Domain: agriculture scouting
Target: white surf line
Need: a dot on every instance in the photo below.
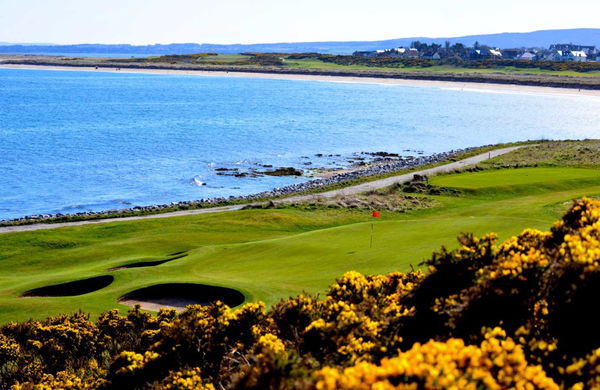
(458, 85)
(357, 189)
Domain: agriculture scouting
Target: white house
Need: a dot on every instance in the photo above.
(577, 55)
(495, 53)
(567, 55)
(398, 52)
(527, 56)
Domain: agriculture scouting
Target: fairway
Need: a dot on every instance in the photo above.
(516, 177)
(275, 253)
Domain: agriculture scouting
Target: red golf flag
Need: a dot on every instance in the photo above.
(376, 214)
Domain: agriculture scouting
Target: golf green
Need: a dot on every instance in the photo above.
(274, 253)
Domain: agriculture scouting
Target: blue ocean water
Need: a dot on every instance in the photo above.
(3, 50)
(74, 141)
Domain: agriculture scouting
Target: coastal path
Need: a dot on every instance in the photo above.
(351, 190)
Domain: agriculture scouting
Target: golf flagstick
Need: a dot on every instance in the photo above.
(376, 214)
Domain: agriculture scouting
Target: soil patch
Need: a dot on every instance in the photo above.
(69, 289)
(179, 295)
(146, 263)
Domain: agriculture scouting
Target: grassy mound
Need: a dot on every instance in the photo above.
(585, 153)
(388, 199)
(142, 264)
(78, 287)
(519, 314)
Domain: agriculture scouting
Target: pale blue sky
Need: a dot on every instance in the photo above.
(252, 21)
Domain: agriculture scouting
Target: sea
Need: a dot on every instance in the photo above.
(73, 141)
(81, 54)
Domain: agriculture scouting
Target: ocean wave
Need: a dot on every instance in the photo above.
(197, 181)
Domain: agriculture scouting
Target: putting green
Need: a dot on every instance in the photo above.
(516, 177)
(272, 254)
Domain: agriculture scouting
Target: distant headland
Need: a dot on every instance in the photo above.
(574, 76)
(541, 38)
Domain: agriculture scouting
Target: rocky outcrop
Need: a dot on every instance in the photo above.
(377, 168)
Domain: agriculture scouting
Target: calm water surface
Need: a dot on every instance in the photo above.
(72, 141)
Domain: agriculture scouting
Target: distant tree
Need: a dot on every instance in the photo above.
(417, 45)
(458, 49)
(423, 47)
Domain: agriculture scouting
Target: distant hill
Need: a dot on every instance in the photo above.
(26, 44)
(542, 38)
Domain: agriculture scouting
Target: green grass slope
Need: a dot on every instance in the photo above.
(272, 254)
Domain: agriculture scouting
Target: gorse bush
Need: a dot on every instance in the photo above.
(278, 60)
(395, 62)
(518, 314)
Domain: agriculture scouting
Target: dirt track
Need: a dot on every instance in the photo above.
(357, 189)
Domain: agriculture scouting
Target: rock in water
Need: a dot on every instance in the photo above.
(284, 171)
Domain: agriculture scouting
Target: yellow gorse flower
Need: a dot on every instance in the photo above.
(496, 363)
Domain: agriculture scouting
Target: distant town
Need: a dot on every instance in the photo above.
(556, 52)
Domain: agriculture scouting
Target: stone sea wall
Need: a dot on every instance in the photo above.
(383, 166)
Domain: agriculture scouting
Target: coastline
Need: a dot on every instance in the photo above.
(333, 178)
(451, 165)
(325, 179)
(467, 86)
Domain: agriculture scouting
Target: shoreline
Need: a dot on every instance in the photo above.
(332, 178)
(401, 177)
(499, 86)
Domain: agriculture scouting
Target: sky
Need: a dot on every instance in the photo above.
(265, 21)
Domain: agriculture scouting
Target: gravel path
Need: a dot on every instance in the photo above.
(357, 189)
(377, 184)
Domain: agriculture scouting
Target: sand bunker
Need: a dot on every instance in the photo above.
(147, 263)
(78, 287)
(179, 295)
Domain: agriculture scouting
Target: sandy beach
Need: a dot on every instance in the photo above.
(451, 85)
